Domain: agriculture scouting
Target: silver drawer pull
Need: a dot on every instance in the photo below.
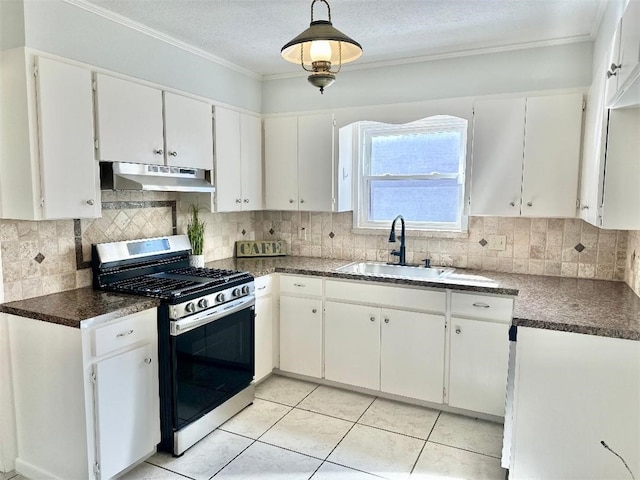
(458, 331)
(373, 319)
(386, 320)
(261, 288)
(299, 285)
(481, 305)
(147, 361)
(315, 310)
(124, 334)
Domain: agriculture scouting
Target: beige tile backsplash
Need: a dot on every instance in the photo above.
(533, 246)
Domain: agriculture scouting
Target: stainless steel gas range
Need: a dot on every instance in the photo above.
(205, 332)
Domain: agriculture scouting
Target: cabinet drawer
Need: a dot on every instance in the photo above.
(402, 297)
(135, 328)
(482, 306)
(303, 285)
(263, 285)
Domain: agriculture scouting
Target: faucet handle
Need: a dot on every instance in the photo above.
(427, 262)
(395, 253)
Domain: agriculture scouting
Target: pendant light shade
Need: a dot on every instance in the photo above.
(320, 47)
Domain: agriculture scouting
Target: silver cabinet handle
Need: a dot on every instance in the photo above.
(585, 207)
(302, 200)
(246, 200)
(124, 334)
(261, 288)
(159, 151)
(481, 305)
(173, 154)
(147, 361)
(315, 310)
(529, 204)
(612, 70)
(513, 204)
(238, 200)
(291, 200)
(386, 320)
(90, 202)
(373, 319)
(458, 330)
(299, 285)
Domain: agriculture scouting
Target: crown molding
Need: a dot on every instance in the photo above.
(444, 56)
(127, 22)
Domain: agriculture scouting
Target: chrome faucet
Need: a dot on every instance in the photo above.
(402, 253)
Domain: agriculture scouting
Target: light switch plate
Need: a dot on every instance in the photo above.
(497, 242)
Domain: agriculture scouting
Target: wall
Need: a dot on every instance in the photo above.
(45, 257)
(11, 24)
(632, 272)
(60, 28)
(545, 68)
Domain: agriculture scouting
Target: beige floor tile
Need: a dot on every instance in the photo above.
(337, 403)
(371, 450)
(440, 461)
(472, 434)
(331, 471)
(400, 418)
(307, 432)
(11, 476)
(256, 419)
(146, 471)
(266, 462)
(206, 457)
(287, 391)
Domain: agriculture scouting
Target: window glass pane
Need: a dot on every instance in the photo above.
(415, 154)
(415, 200)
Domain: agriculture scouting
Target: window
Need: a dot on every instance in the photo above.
(415, 170)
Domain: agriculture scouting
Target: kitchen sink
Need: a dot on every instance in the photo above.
(396, 271)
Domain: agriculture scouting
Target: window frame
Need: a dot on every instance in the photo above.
(440, 123)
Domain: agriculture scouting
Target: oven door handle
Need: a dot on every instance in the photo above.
(178, 327)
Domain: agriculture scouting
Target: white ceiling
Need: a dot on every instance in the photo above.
(250, 33)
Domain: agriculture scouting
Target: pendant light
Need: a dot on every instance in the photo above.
(320, 47)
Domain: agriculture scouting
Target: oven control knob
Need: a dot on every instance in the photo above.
(190, 307)
(203, 303)
(245, 290)
(235, 292)
(220, 298)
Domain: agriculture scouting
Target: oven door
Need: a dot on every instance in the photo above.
(212, 358)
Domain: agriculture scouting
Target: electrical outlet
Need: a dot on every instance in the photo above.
(302, 233)
(497, 242)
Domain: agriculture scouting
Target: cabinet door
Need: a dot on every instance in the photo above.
(264, 337)
(412, 354)
(281, 163)
(629, 42)
(127, 409)
(496, 173)
(352, 344)
(315, 162)
(552, 156)
(128, 121)
(188, 132)
(301, 336)
(227, 148)
(478, 362)
(621, 196)
(251, 162)
(69, 171)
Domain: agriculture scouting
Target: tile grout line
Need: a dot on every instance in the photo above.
(424, 444)
(165, 469)
(227, 464)
(466, 450)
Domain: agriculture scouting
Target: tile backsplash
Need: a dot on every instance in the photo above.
(51, 256)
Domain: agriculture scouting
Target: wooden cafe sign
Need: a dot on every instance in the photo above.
(260, 248)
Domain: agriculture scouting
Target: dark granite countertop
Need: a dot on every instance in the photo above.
(592, 307)
(79, 308)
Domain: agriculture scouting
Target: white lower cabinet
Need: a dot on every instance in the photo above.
(264, 328)
(87, 402)
(301, 335)
(478, 360)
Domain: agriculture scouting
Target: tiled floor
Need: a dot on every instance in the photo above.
(299, 430)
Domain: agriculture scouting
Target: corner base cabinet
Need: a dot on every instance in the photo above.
(86, 398)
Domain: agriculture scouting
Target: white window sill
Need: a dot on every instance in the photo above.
(412, 232)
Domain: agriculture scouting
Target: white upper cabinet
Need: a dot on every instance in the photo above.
(526, 155)
(238, 161)
(128, 121)
(300, 163)
(623, 84)
(47, 153)
(188, 130)
(140, 124)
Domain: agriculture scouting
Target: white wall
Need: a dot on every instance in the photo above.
(60, 28)
(11, 24)
(608, 25)
(534, 69)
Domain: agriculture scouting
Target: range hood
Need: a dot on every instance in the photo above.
(135, 176)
